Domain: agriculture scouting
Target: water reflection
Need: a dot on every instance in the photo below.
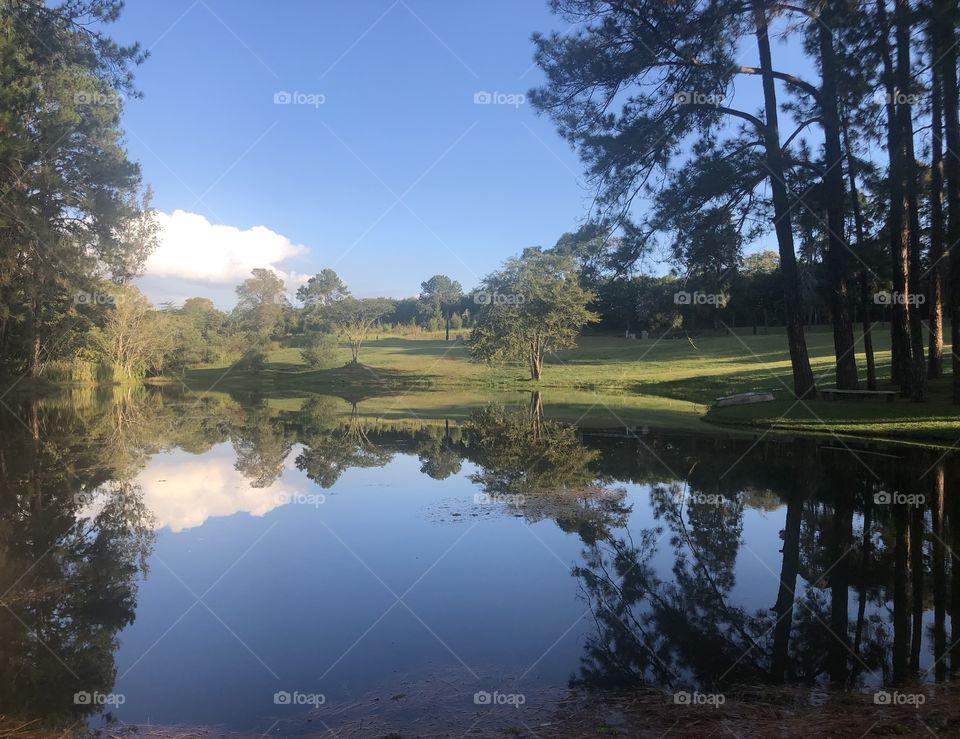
(331, 448)
(855, 573)
(68, 576)
(861, 591)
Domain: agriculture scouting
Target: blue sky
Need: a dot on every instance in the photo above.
(396, 176)
(381, 165)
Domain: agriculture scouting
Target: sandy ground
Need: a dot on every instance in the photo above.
(441, 710)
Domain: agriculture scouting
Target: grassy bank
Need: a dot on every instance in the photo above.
(607, 380)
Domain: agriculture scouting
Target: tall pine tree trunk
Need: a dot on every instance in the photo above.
(898, 226)
(918, 369)
(864, 276)
(935, 293)
(947, 13)
(803, 382)
(36, 311)
(838, 254)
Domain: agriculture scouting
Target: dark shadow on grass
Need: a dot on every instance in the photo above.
(353, 382)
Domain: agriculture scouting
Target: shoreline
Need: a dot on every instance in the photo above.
(446, 712)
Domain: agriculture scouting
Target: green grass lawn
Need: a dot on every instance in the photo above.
(641, 382)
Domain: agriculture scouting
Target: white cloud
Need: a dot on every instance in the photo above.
(182, 490)
(192, 248)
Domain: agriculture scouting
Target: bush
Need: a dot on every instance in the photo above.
(321, 351)
(255, 358)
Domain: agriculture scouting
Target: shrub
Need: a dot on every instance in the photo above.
(321, 351)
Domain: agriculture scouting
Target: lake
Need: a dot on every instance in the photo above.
(276, 566)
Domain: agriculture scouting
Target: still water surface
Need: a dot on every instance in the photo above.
(204, 560)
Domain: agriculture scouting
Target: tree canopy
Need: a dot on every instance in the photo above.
(534, 305)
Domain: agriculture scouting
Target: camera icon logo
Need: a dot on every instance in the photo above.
(82, 698)
(482, 698)
(881, 498)
(682, 698)
(282, 698)
(282, 97)
(482, 98)
(682, 298)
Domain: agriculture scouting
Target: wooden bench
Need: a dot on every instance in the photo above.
(833, 394)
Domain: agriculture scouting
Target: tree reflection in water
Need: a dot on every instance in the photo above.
(863, 591)
(331, 448)
(74, 541)
(841, 541)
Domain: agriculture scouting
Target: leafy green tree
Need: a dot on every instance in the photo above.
(321, 351)
(72, 210)
(757, 287)
(201, 333)
(354, 318)
(205, 316)
(593, 249)
(442, 294)
(535, 304)
(260, 302)
(135, 339)
(655, 307)
(323, 289)
(405, 312)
